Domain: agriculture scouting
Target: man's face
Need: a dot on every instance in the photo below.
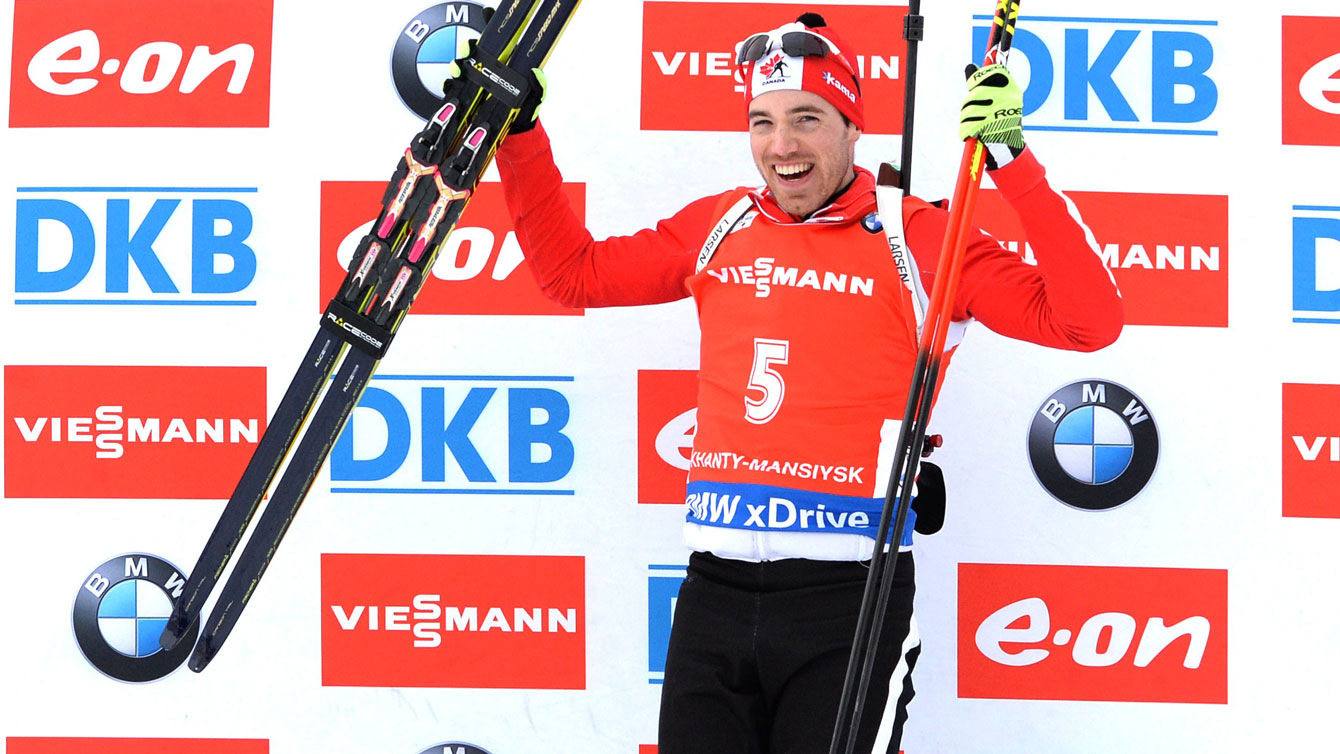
(802, 147)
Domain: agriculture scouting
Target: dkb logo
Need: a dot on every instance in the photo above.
(457, 435)
(187, 246)
(1146, 76)
(1316, 264)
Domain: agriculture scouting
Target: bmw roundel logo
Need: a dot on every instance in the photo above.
(427, 45)
(1093, 444)
(120, 612)
(453, 748)
(872, 223)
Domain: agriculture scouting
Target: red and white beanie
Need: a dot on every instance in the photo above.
(832, 76)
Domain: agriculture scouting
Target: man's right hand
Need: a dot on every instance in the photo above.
(529, 113)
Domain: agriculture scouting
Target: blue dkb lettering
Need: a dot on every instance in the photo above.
(1307, 232)
(523, 436)
(345, 468)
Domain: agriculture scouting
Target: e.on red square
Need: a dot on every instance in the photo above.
(1311, 447)
(480, 269)
(667, 418)
(1310, 107)
(1093, 633)
(202, 64)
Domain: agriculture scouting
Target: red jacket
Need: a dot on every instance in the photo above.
(808, 337)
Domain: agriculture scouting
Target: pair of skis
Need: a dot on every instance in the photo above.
(429, 190)
(921, 394)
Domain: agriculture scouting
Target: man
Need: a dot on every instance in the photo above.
(808, 340)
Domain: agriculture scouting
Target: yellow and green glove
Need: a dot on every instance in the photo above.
(993, 114)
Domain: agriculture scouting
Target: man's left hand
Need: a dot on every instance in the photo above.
(993, 113)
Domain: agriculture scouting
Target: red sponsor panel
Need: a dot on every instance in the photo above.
(1091, 633)
(685, 60)
(667, 419)
(1168, 252)
(453, 621)
(1311, 451)
(137, 745)
(141, 63)
(479, 270)
(1311, 85)
(130, 431)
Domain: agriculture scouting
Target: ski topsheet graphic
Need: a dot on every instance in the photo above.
(426, 195)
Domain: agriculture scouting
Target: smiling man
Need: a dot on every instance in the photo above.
(808, 337)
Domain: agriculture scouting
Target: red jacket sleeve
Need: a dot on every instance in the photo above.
(571, 267)
(1069, 300)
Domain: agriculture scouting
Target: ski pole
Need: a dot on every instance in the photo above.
(921, 395)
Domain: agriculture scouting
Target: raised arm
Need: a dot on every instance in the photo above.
(572, 268)
(1068, 300)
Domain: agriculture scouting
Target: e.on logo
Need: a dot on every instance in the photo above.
(1311, 85)
(453, 621)
(667, 418)
(130, 431)
(1090, 633)
(686, 60)
(1311, 451)
(141, 63)
(480, 268)
(1167, 252)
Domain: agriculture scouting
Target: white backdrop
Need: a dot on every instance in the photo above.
(1214, 502)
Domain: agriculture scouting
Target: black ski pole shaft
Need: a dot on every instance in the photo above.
(865, 640)
(914, 25)
(921, 396)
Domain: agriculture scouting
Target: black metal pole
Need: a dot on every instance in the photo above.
(921, 396)
(914, 30)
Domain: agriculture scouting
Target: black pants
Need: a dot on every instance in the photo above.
(758, 653)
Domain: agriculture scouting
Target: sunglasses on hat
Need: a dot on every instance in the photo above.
(798, 43)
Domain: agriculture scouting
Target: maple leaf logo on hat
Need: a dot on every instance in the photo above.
(775, 66)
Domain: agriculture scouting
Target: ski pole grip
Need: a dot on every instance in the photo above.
(1002, 32)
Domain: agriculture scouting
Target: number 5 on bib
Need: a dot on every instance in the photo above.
(766, 380)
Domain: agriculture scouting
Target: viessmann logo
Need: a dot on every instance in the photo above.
(1311, 438)
(453, 621)
(479, 270)
(80, 63)
(685, 60)
(1167, 252)
(1093, 633)
(130, 432)
(667, 418)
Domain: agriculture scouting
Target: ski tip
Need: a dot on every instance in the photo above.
(173, 632)
(201, 655)
(889, 175)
